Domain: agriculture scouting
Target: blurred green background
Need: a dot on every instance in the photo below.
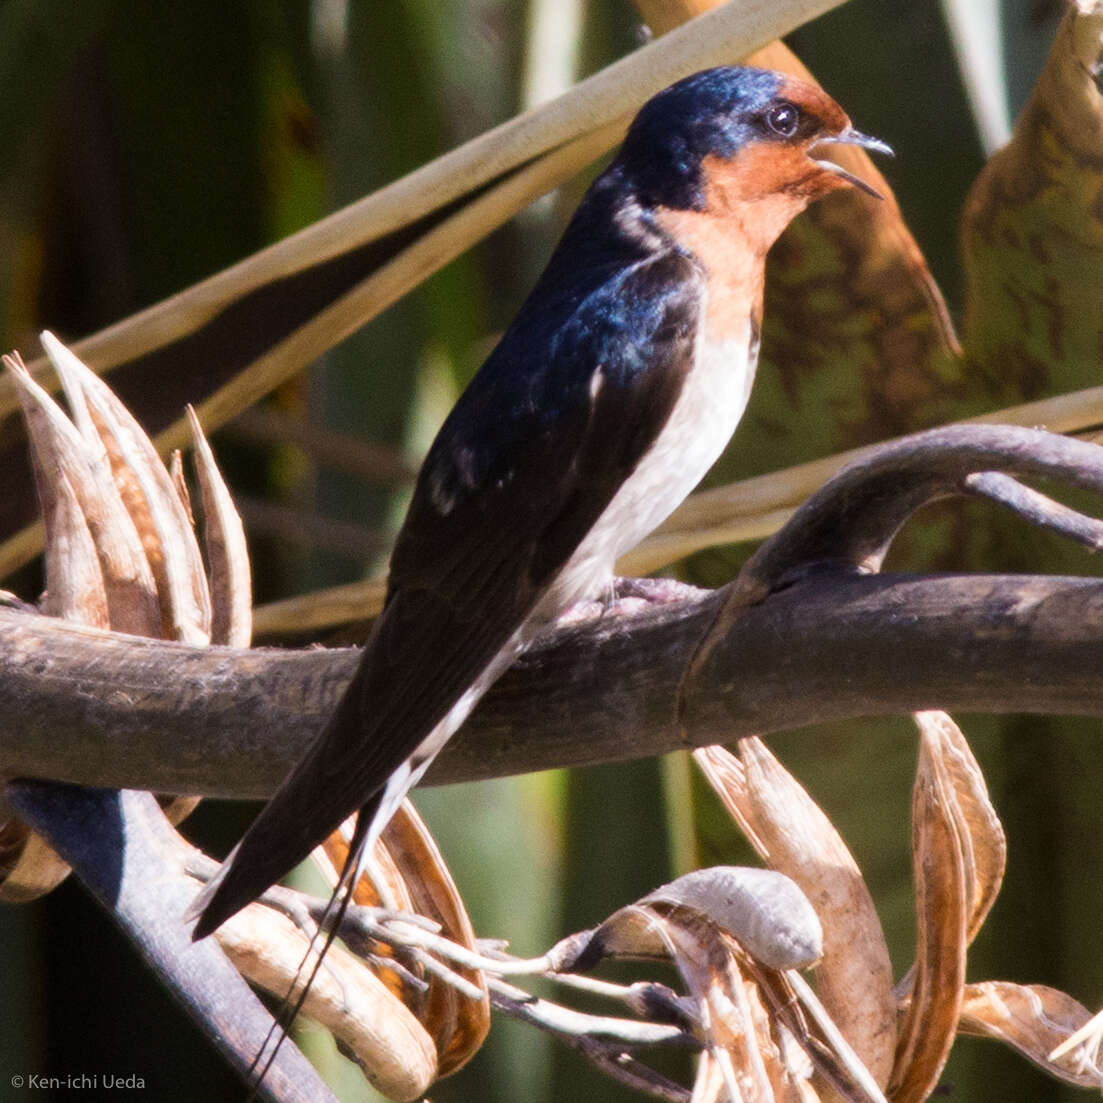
(150, 145)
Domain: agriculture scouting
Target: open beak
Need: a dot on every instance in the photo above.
(851, 137)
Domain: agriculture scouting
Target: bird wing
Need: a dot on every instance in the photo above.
(526, 463)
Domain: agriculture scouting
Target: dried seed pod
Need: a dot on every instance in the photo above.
(942, 912)
(61, 451)
(146, 490)
(791, 832)
(984, 845)
(120, 548)
(764, 911)
(387, 1041)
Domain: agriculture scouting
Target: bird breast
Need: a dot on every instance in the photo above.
(702, 421)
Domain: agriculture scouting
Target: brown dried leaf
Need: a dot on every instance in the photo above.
(984, 845)
(388, 1042)
(764, 910)
(418, 880)
(231, 587)
(1035, 1020)
(75, 592)
(717, 926)
(60, 450)
(942, 913)
(800, 1015)
(147, 491)
(179, 480)
(74, 580)
(789, 830)
(712, 977)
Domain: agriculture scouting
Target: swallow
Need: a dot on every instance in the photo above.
(612, 393)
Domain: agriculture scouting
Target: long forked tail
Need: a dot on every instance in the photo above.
(328, 926)
(258, 861)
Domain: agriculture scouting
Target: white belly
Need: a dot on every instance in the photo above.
(702, 422)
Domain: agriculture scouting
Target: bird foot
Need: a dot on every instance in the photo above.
(626, 597)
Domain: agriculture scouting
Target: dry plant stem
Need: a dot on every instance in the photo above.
(231, 723)
(401, 933)
(371, 462)
(585, 1034)
(793, 836)
(120, 844)
(854, 518)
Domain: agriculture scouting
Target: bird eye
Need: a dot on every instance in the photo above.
(783, 119)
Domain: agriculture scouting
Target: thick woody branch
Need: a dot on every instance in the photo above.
(808, 633)
(116, 711)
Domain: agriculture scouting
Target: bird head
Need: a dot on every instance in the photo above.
(740, 141)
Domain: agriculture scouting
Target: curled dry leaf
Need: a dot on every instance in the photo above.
(414, 875)
(718, 926)
(744, 1059)
(391, 1046)
(735, 1026)
(942, 915)
(793, 836)
(768, 914)
(763, 910)
(983, 842)
(1038, 1022)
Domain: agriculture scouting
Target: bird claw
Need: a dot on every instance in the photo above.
(627, 597)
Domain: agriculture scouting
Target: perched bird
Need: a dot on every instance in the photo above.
(613, 392)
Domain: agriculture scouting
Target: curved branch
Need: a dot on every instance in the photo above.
(853, 519)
